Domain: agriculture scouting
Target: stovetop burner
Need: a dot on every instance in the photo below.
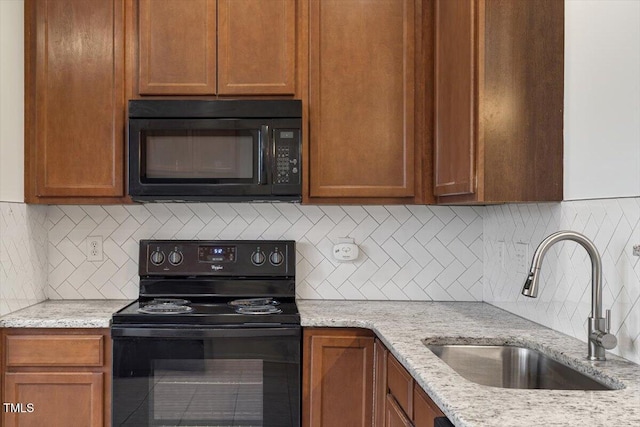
(258, 309)
(256, 306)
(166, 306)
(253, 302)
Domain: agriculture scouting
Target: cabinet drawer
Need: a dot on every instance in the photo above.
(425, 411)
(54, 350)
(400, 384)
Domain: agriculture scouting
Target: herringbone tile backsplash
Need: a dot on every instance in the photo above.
(23, 255)
(407, 252)
(564, 298)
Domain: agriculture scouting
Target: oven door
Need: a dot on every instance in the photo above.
(206, 377)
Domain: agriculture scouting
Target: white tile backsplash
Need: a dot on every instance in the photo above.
(564, 299)
(407, 253)
(23, 255)
(446, 258)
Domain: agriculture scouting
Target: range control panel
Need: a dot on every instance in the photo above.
(269, 258)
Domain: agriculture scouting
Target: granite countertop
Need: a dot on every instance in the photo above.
(64, 314)
(402, 326)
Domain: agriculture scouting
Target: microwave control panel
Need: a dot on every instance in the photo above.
(287, 156)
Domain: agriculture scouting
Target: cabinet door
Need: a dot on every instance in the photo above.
(394, 416)
(425, 411)
(58, 399)
(379, 383)
(338, 379)
(74, 98)
(256, 47)
(455, 114)
(177, 47)
(362, 98)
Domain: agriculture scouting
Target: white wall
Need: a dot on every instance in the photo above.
(602, 99)
(11, 100)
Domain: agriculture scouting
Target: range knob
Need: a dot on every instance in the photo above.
(258, 258)
(157, 257)
(276, 258)
(175, 257)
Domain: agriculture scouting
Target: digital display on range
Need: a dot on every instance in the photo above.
(216, 253)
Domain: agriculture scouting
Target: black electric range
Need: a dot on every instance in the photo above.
(213, 339)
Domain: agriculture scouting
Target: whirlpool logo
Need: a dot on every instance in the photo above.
(216, 267)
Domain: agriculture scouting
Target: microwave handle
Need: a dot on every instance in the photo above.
(263, 144)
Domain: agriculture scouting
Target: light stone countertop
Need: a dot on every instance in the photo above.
(64, 314)
(403, 325)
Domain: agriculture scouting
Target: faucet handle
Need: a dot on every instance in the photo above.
(604, 339)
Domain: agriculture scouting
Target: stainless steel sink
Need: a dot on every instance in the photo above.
(512, 367)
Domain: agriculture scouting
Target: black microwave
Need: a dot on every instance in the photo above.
(214, 150)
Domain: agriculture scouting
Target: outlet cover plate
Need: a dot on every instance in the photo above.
(94, 248)
(522, 257)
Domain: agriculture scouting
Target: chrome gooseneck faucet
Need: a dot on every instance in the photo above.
(599, 338)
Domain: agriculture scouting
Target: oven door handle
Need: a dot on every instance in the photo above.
(292, 331)
(263, 145)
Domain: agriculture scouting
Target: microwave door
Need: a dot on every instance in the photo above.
(198, 159)
(214, 159)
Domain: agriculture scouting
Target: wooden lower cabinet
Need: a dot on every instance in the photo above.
(394, 416)
(350, 379)
(56, 377)
(425, 411)
(55, 398)
(399, 400)
(380, 383)
(337, 378)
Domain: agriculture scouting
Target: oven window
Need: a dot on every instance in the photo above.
(222, 381)
(200, 154)
(225, 392)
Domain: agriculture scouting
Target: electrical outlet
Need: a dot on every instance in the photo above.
(522, 257)
(94, 248)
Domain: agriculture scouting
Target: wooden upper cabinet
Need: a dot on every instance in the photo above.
(256, 47)
(499, 89)
(454, 97)
(177, 47)
(362, 98)
(210, 47)
(74, 99)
